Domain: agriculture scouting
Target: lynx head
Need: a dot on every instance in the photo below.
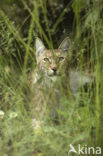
(51, 62)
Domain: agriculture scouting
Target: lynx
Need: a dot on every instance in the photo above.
(52, 64)
(52, 77)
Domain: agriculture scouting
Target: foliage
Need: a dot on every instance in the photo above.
(80, 121)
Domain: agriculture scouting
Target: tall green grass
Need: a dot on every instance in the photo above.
(80, 120)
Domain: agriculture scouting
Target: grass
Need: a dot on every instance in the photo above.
(83, 116)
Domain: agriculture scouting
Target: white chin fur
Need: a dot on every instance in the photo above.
(50, 72)
(53, 78)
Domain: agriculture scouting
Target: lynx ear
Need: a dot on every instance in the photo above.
(64, 46)
(40, 48)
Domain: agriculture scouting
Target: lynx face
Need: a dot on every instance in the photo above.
(52, 62)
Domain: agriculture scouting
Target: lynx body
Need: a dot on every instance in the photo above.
(53, 79)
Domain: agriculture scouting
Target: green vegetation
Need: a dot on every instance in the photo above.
(81, 120)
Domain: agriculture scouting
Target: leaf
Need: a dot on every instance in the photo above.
(92, 17)
(78, 5)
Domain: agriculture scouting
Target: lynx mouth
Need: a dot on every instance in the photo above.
(52, 73)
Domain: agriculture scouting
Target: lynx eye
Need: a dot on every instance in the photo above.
(46, 59)
(60, 59)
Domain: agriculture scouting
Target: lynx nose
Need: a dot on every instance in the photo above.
(54, 70)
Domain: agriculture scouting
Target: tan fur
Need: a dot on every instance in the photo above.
(50, 62)
(45, 91)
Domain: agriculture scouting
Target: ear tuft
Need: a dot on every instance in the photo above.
(64, 46)
(39, 47)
